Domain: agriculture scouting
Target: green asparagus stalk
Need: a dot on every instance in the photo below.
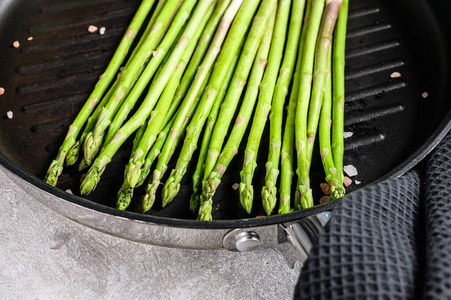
(261, 112)
(125, 194)
(287, 157)
(339, 90)
(146, 32)
(320, 68)
(226, 113)
(160, 57)
(211, 120)
(56, 166)
(212, 179)
(159, 113)
(325, 122)
(137, 71)
(189, 74)
(72, 155)
(74, 151)
(304, 198)
(93, 176)
(243, 15)
(196, 59)
(269, 191)
(149, 201)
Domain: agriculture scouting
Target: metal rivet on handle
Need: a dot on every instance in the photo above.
(242, 241)
(247, 241)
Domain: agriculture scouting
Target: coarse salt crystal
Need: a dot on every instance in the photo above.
(16, 44)
(69, 191)
(324, 199)
(350, 170)
(357, 182)
(102, 30)
(235, 186)
(30, 38)
(325, 187)
(2, 91)
(9, 114)
(92, 28)
(347, 181)
(347, 134)
(425, 95)
(395, 75)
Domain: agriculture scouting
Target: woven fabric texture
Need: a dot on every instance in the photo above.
(437, 207)
(368, 249)
(388, 241)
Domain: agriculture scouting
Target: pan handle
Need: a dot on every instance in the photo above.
(303, 234)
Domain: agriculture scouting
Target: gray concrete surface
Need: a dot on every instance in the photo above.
(43, 255)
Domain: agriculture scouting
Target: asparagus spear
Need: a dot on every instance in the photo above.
(196, 60)
(74, 151)
(127, 92)
(212, 179)
(227, 111)
(72, 155)
(261, 112)
(339, 90)
(159, 113)
(149, 201)
(287, 158)
(92, 177)
(125, 194)
(269, 191)
(224, 61)
(320, 68)
(56, 166)
(336, 190)
(304, 197)
(155, 14)
(201, 48)
(199, 172)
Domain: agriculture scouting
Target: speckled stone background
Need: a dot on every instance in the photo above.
(43, 255)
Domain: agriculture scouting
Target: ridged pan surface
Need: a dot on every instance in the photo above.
(392, 118)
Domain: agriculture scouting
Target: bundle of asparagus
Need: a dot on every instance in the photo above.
(200, 61)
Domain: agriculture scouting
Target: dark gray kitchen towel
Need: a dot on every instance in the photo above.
(387, 241)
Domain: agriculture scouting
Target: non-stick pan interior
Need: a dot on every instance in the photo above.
(394, 120)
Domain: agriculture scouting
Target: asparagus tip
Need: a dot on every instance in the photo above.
(124, 197)
(246, 196)
(194, 201)
(205, 210)
(72, 154)
(149, 197)
(269, 195)
(170, 190)
(53, 173)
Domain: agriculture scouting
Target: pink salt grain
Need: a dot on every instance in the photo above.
(324, 199)
(30, 38)
(347, 181)
(9, 114)
(395, 75)
(325, 187)
(92, 28)
(425, 95)
(16, 44)
(2, 91)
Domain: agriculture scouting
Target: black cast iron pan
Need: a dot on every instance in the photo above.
(395, 122)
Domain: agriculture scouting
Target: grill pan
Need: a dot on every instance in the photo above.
(47, 79)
